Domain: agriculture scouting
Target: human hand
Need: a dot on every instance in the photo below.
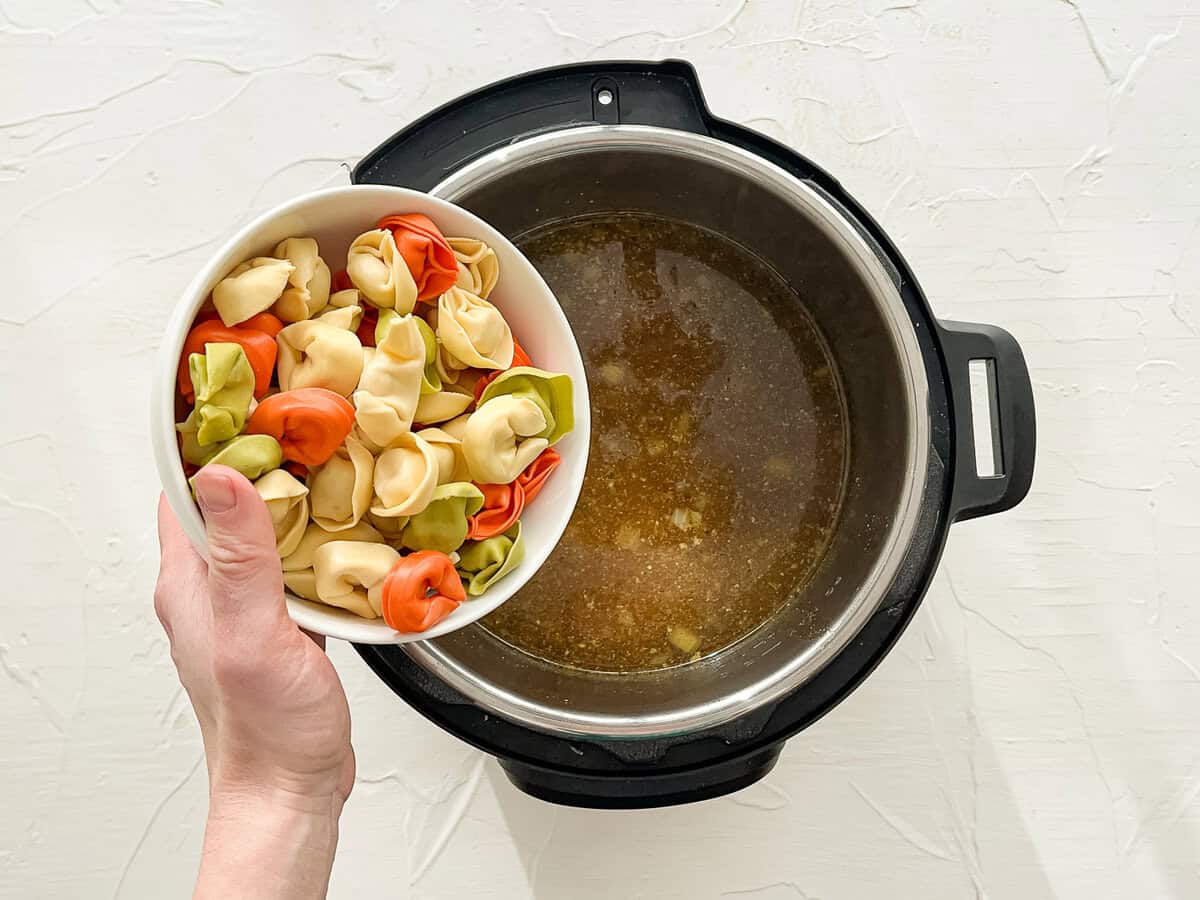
(273, 715)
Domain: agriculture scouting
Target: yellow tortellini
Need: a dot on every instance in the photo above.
(302, 583)
(443, 406)
(252, 287)
(478, 267)
(348, 297)
(457, 427)
(449, 370)
(482, 563)
(315, 536)
(350, 574)
(287, 502)
(406, 475)
(307, 292)
(344, 317)
(447, 449)
(500, 438)
(340, 490)
(550, 391)
(430, 380)
(298, 574)
(443, 525)
(378, 270)
(387, 393)
(473, 331)
(317, 354)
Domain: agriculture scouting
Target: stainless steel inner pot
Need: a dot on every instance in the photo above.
(852, 296)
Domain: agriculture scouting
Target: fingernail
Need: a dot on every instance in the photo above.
(216, 493)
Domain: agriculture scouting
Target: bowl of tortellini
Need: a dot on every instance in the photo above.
(403, 390)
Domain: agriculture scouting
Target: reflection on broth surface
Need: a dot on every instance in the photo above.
(717, 453)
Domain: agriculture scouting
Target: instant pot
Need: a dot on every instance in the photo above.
(587, 139)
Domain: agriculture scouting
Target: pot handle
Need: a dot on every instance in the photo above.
(644, 790)
(666, 94)
(1013, 428)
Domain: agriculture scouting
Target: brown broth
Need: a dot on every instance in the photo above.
(717, 452)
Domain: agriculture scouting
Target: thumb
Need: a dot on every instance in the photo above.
(245, 585)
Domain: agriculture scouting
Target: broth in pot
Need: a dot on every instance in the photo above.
(718, 453)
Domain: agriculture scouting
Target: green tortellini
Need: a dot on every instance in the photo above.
(191, 450)
(251, 454)
(484, 563)
(431, 382)
(549, 390)
(443, 525)
(224, 385)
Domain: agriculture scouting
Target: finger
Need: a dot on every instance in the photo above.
(179, 566)
(244, 578)
(175, 547)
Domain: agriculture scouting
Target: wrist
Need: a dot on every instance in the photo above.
(232, 797)
(267, 843)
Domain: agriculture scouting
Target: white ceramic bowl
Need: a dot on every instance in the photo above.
(335, 217)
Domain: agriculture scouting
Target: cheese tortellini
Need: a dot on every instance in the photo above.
(447, 449)
(500, 439)
(378, 270)
(387, 394)
(551, 392)
(314, 353)
(251, 288)
(406, 474)
(302, 583)
(483, 563)
(391, 527)
(307, 292)
(224, 386)
(350, 574)
(347, 297)
(287, 502)
(442, 406)
(437, 410)
(251, 454)
(340, 490)
(298, 574)
(473, 332)
(431, 382)
(344, 317)
(315, 536)
(478, 267)
(443, 524)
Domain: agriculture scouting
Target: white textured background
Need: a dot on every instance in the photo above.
(1036, 733)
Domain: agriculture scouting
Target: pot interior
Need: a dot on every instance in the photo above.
(845, 289)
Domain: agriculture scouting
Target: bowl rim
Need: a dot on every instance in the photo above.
(312, 616)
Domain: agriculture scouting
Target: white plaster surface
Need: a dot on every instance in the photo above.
(1036, 733)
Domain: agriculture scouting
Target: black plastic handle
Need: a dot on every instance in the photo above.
(646, 790)
(1014, 434)
(666, 94)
